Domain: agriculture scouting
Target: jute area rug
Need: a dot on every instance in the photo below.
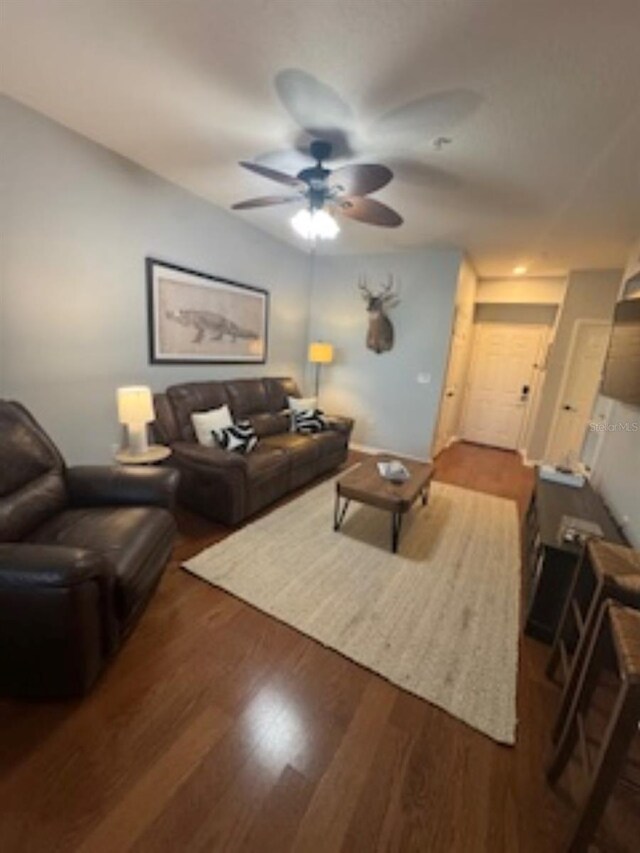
(439, 619)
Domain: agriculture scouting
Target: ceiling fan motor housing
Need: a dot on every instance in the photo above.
(320, 150)
(316, 176)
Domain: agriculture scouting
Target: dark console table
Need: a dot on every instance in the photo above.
(548, 561)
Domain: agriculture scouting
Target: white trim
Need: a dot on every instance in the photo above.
(578, 324)
(607, 406)
(366, 448)
(537, 385)
(528, 463)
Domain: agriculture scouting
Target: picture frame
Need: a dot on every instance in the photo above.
(198, 318)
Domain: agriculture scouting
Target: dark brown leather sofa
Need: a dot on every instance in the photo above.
(228, 487)
(81, 551)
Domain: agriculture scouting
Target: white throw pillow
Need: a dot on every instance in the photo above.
(302, 404)
(205, 422)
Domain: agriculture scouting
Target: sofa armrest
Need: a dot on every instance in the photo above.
(191, 453)
(339, 423)
(94, 485)
(57, 622)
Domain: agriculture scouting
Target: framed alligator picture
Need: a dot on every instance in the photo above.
(196, 318)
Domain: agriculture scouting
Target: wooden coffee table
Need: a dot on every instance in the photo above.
(365, 485)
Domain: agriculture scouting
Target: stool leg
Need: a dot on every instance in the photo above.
(563, 622)
(578, 661)
(619, 735)
(599, 644)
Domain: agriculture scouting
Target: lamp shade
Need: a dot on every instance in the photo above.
(320, 352)
(135, 405)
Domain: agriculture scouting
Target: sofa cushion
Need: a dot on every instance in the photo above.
(130, 538)
(247, 397)
(278, 389)
(31, 481)
(299, 448)
(164, 430)
(266, 461)
(329, 442)
(194, 397)
(25, 509)
(268, 423)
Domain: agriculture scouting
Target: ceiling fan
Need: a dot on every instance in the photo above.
(325, 192)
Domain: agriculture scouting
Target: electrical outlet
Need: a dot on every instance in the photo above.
(423, 379)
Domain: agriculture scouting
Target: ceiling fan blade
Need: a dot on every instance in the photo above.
(360, 179)
(369, 210)
(418, 173)
(314, 105)
(272, 174)
(435, 114)
(265, 201)
(288, 160)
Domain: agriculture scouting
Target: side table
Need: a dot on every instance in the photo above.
(153, 454)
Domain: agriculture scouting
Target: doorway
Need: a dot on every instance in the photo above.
(453, 391)
(503, 380)
(578, 389)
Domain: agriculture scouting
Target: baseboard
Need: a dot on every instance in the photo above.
(366, 448)
(528, 463)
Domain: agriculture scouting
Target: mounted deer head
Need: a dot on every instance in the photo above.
(380, 333)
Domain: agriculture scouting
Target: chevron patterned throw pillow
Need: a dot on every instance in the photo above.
(309, 421)
(238, 438)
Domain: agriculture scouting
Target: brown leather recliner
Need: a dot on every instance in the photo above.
(81, 551)
(229, 487)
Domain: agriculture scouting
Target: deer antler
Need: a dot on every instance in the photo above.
(388, 290)
(362, 284)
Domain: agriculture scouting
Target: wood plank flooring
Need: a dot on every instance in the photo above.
(218, 728)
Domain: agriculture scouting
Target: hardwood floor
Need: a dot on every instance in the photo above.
(218, 728)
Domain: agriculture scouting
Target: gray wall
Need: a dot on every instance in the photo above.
(590, 295)
(392, 410)
(617, 457)
(78, 221)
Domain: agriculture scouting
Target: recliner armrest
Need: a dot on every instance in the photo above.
(339, 423)
(57, 620)
(33, 566)
(104, 485)
(208, 457)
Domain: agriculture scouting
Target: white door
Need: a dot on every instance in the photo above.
(454, 381)
(503, 364)
(578, 390)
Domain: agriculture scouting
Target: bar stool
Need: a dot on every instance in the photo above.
(605, 570)
(615, 640)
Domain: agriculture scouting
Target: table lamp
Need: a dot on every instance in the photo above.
(320, 352)
(135, 411)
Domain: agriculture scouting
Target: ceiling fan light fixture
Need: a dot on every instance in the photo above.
(315, 224)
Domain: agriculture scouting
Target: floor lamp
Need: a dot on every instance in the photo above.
(320, 352)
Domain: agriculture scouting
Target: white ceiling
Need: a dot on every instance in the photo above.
(540, 98)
